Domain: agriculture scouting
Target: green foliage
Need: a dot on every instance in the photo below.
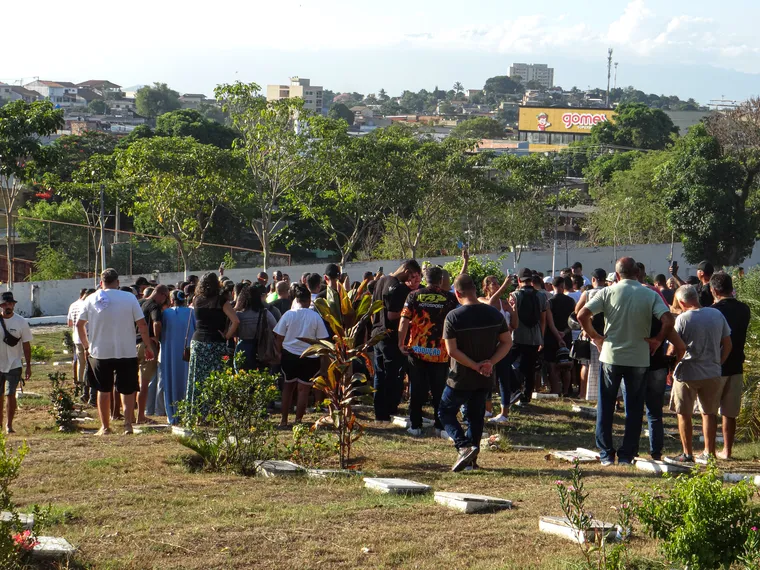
(62, 400)
(68, 341)
(41, 354)
(637, 126)
(21, 126)
(750, 557)
(191, 123)
(600, 170)
(700, 521)
(156, 100)
(478, 268)
(52, 264)
(478, 128)
(229, 420)
(229, 261)
(98, 107)
(498, 87)
(309, 448)
(704, 205)
(340, 112)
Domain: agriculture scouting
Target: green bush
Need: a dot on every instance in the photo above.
(41, 354)
(701, 522)
(478, 268)
(62, 400)
(229, 420)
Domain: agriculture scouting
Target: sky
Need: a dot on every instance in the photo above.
(687, 48)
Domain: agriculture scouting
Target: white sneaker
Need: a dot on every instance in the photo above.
(416, 432)
(488, 415)
(500, 419)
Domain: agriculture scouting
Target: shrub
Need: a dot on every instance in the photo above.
(52, 264)
(229, 421)
(41, 354)
(309, 448)
(68, 341)
(701, 522)
(478, 269)
(62, 400)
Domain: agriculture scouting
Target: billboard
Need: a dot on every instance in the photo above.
(562, 120)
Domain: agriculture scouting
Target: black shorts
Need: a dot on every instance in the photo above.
(101, 372)
(297, 369)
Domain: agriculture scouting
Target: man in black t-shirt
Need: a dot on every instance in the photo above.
(151, 308)
(737, 315)
(389, 361)
(558, 335)
(477, 337)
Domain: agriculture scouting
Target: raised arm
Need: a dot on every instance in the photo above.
(465, 261)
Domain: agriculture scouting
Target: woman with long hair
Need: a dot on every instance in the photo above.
(298, 322)
(250, 309)
(215, 324)
(492, 293)
(177, 327)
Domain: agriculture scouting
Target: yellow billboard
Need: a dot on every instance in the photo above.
(562, 120)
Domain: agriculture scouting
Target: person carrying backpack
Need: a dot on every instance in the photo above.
(528, 338)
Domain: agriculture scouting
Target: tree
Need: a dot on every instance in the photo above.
(156, 100)
(706, 200)
(478, 128)
(191, 123)
(496, 88)
(67, 153)
(52, 264)
(21, 126)
(178, 183)
(98, 107)
(390, 107)
(340, 111)
(382, 96)
(445, 108)
(58, 236)
(274, 143)
(459, 89)
(636, 126)
(139, 132)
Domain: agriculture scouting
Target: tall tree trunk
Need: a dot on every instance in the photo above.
(9, 246)
(265, 246)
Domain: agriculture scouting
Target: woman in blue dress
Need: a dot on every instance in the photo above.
(177, 328)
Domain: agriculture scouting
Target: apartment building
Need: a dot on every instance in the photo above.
(541, 73)
(299, 87)
(60, 93)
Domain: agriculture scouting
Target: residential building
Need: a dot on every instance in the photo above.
(60, 93)
(102, 87)
(470, 92)
(541, 73)
(123, 106)
(684, 120)
(299, 88)
(131, 92)
(192, 100)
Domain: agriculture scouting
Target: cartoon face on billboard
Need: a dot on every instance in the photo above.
(543, 121)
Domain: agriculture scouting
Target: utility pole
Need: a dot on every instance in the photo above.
(609, 74)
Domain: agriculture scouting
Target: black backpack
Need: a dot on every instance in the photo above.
(528, 307)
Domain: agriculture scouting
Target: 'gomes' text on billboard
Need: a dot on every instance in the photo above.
(562, 120)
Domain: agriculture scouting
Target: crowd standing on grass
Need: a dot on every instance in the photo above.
(610, 338)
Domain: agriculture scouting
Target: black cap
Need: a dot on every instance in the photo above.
(706, 266)
(526, 274)
(577, 265)
(7, 297)
(141, 282)
(599, 274)
(332, 271)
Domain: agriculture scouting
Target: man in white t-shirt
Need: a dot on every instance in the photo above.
(109, 343)
(16, 332)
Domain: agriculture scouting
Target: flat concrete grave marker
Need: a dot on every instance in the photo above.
(471, 503)
(561, 526)
(181, 432)
(407, 423)
(27, 521)
(753, 478)
(585, 411)
(20, 394)
(668, 432)
(653, 466)
(396, 486)
(718, 439)
(527, 448)
(544, 396)
(52, 547)
(332, 473)
(276, 468)
(581, 455)
(150, 428)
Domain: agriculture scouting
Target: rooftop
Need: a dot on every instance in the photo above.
(102, 83)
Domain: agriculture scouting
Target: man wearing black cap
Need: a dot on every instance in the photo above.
(705, 270)
(17, 342)
(530, 308)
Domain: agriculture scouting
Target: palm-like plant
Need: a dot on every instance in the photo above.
(348, 315)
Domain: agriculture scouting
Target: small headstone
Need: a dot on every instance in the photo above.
(396, 486)
(276, 468)
(585, 411)
(736, 477)
(666, 432)
(470, 503)
(60, 363)
(181, 432)
(561, 526)
(84, 420)
(527, 448)
(52, 547)
(581, 455)
(27, 521)
(407, 423)
(151, 428)
(718, 439)
(653, 466)
(332, 473)
(20, 394)
(545, 396)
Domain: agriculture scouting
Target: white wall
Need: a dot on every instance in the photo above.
(56, 296)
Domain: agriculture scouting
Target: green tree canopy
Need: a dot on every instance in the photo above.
(98, 106)
(637, 126)
(340, 111)
(478, 128)
(152, 101)
(191, 123)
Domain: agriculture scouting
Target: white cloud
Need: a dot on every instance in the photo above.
(628, 27)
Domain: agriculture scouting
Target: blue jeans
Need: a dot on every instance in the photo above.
(424, 378)
(655, 400)
(506, 376)
(451, 401)
(634, 393)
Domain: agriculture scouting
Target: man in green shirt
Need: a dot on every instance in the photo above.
(628, 308)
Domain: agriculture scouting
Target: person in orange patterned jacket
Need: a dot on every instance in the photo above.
(420, 338)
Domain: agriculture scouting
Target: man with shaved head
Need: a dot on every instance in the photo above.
(625, 348)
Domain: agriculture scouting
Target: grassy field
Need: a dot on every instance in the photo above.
(137, 502)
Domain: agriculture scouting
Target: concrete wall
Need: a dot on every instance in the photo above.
(56, 296)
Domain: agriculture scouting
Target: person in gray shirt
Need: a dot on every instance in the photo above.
(707, 337)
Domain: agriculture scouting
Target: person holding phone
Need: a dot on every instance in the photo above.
(16, 344)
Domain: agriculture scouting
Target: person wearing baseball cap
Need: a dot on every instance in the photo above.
(17, 344)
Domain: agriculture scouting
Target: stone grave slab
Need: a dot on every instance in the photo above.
(561, 526)
(585, 411)
(332, 473)
(581, 455)
(20, 394)
(753, 478)
(718, 439)
(181, 432)
(52, 547)
(396, 486)
(652, 466)
(151, 428)
(276, 468)
(545, 396)
(27, 521)
(83, 420)
(471, 503)
(527, 448)
(668, 433)
(407, 423)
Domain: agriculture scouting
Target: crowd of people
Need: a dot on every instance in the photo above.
(610, 338)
